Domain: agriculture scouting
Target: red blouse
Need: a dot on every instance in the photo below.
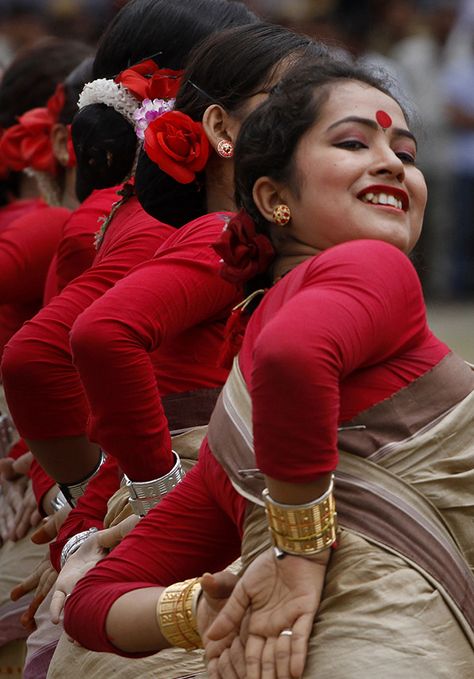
(27, 246)
(43, 389)
(341, 332)
(76, 250)
(175, 306)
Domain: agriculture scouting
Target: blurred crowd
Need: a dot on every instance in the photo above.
(427, 47)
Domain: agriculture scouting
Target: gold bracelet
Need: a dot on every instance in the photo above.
(305, 529)
(176, 614)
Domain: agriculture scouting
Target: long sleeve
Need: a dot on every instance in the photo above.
(43, 389)
(346, 339)
(27, 246)
(76, 250)
(177, 304)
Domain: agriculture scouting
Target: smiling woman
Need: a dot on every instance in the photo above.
(340, 398)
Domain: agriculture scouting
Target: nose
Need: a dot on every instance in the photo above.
(387, 163)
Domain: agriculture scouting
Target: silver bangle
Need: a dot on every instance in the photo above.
(73, 544)
(73, 491)
(59, 501)
(146, 494)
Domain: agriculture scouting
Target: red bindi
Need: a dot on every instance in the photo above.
(383, 119)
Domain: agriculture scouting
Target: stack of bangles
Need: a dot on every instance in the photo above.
(302, 530)
(176, 614)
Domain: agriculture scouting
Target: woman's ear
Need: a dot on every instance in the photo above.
(59, 139)
(267, 194)
(219, 126)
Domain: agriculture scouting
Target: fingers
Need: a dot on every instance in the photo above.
(57, 605)
(23, 463)
(282, 656)
(46, 532)
(219, 585)
(31, 582)
(28, 617)
(253, 656)
(299, 644)
(230, 616)
(111, 537)
(7, 473)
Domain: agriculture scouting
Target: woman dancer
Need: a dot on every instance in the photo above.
(175, 305)
(54, 425)
(326, 173)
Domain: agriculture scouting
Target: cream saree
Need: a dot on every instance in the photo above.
(399, 593)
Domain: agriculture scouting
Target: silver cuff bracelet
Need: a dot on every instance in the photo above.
(73, 491)
(73, 544)
(146, 494)
(59, 501)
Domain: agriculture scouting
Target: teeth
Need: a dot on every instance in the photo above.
(382, 199)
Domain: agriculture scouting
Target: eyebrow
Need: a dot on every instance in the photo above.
(400, 131)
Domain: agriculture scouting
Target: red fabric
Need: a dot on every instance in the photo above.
(76, 250)
(343, 331)
(175, 303)
(18, 449)
(43, 389)
(27, 246)
(187, 546)
(175, 306)
(366, 339)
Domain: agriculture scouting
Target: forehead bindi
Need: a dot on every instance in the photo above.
(383, 119)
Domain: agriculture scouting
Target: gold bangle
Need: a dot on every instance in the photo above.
(176, 614)
(305, 529)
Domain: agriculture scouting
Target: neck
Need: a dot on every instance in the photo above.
(68, 195)
(219, 185)
(290, 253)
(28, 188)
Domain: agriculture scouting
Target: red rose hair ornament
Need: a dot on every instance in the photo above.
(178, 145)
(245, 253)
(147, 80)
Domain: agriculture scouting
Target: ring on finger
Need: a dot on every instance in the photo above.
(286, 633)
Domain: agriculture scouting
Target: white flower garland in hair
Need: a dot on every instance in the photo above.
(110, 93)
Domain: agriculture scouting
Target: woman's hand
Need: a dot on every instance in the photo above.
(42, 579)
(273, 596)
(50, 526)
(78, 564)
(111, 537)
(18, 509)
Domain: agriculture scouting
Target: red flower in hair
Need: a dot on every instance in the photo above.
(147, 81)
(56, 102)
(245, 252)
(28, 144)
(178, 145)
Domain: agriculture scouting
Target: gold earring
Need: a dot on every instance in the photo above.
(281, 214)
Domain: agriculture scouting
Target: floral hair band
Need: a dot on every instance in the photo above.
(137, 93)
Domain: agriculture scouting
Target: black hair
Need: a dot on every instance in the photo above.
(73, 86)
(165, 30)
(269, 137)
(29, 81)
(31, 78)
(227, 69)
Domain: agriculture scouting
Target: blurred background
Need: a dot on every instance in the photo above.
(427, 49)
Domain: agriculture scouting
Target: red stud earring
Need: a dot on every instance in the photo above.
(225, 148)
